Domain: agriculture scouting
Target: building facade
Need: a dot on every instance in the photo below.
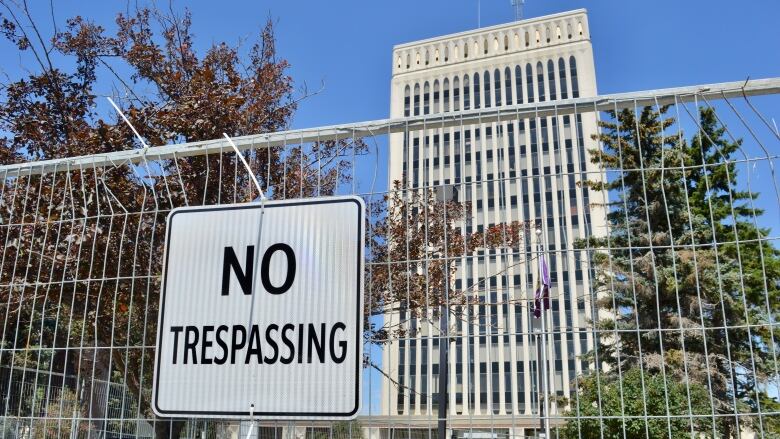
(524, 170)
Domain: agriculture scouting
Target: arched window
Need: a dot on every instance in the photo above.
(517, 41)
(506, 42)
(436, 55)
(527, 40)
(399, 62)
(547, 34)
(407, 99)
(416, 99)
(497, 86)
(540, 80)
(568, 30)
(477, 91)
(457, 53)
(407, 61)
(575, 88)
(465, 50)
(446, 53)
(456, 94)
(417, 58)
(446, 97)
(562, 76)
(435, 96)
(538, 37)
(486, 81)
(558, 32)
(426, 98)
(495, 44)
(508, 85)
(519, 84)
(476, 48)
(529, 82)
(466, 93)
(579, 27)
(551, 79)
(427, 58)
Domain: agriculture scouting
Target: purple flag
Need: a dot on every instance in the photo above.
(542, 294)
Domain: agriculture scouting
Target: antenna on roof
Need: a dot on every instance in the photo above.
(518, 7)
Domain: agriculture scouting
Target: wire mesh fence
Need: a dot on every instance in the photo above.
(596, 267)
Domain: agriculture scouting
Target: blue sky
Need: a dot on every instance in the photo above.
(347, 43)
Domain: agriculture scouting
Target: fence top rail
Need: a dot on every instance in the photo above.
(606, 102)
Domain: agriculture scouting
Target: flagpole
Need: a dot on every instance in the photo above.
(544, 383)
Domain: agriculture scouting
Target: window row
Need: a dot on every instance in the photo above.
(514, 86)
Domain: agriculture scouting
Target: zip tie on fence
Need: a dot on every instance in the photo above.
(116, 107)
(251, 421)
(246, 165)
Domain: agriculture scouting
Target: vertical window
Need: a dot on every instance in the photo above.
(456, 94)
(517, 41)
(399, 62)
(446, 53)
(575, 88)
(519, 84)
(558, 32)
(551, 79)
(508, 85)
(579, 28)
(538, 37)
(495, 45)
(497, 86)
(446, 95)
(436, 96)
(417, 58)
(407, 60)
(436, 55)
(466, 93)
(562, 75)
(527, 40)
(540, 80)
(486, 81)
(465, 51)
(506, 43)
(416, 99)
(529, 82)
(477, 91)
(426, 98)
(427, 58)
(407, 100)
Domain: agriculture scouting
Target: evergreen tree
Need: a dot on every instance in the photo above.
(688, 280)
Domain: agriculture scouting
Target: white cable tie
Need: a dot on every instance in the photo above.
(128, 123)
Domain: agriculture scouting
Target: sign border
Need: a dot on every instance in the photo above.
(359, 313)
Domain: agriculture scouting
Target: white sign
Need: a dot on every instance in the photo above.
(262, 306)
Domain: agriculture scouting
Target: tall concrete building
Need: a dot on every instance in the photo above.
(523, 170)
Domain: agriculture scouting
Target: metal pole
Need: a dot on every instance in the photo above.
(444, 344)
(543, 385)
(539, 378)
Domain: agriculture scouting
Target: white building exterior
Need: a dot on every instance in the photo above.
(525, 170)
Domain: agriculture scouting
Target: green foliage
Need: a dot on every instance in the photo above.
(624, 407)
